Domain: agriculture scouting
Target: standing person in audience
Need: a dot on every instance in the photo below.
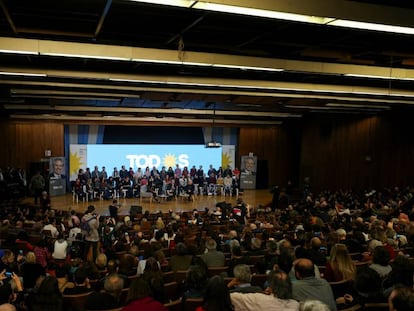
(92, 235)
(37, 185)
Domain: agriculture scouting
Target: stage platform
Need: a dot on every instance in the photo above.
(181, 204)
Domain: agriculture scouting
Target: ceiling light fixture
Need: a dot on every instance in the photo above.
(358, 106)
(371, 26)
(86, 56)
(18, 52)
(274, 14)
(377, 77)
(25, 74)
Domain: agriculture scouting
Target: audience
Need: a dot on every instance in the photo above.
(316, 230)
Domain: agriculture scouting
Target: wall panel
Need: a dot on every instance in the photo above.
(272, 145)
(26, 142)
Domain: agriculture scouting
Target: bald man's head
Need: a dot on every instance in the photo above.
(316, 243)
(304, 268)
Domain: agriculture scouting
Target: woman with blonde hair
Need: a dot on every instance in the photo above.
(340, 265)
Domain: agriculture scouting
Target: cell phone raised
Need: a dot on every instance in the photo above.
(8, 274)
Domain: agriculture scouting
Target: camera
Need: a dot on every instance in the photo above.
(8, 274)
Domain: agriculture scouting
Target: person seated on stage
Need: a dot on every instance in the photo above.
(79, 189)
(126, 184)
(97, 185)
(169, 187)
(211, 182)
(158, 183)
(189, 189)
(228, 185)
(219, 183)
(182, 184)
(108, 188)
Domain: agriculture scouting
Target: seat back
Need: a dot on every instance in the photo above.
(76, 302)
(191, 304)
(171, 291)
(180, 276)
(342, 288)
(175, 305)
(223, 271)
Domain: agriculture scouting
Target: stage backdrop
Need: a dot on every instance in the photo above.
(110, 156)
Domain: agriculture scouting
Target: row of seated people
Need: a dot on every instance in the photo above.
(127, 188)
(197, 175)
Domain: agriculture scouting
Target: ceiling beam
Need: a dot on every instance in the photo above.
(102, 18)
(136, 54)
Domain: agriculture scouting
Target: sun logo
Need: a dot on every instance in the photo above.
(75, 163)
(226, 159)
(169, 160)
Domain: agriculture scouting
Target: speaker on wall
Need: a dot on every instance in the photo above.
(262, 176)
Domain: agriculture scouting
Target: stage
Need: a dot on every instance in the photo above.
(181, 204)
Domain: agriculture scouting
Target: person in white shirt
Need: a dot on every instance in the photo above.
(60, 248)
(278, 296)
(51, 226)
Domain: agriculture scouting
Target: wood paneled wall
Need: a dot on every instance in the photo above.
(274, 145)
(26, 142)
(357, 152)
(334, 152)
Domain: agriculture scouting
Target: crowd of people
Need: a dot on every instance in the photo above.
(168, 182)
(303, 247)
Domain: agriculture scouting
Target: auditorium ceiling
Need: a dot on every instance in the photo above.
(191, 62)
